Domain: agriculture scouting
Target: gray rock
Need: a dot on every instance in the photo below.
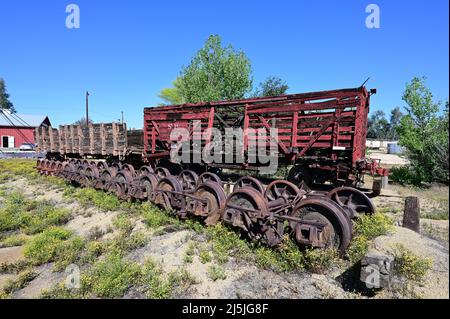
(377, 270)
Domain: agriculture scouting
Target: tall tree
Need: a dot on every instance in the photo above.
(272, 86)
(394, 122)
(5, 103)
(172, 95)
(424, 133)
(216, 73)
(377, 125)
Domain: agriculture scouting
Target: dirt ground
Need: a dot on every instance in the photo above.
(242, 279)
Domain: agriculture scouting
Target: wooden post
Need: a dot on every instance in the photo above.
(91, 139)
(411, 215)
(115, 136)
(376, 187)
(103, 138)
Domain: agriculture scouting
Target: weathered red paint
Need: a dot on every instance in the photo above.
(330, 125)
(21, 135)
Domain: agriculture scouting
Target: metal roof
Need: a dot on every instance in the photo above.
(27, 119)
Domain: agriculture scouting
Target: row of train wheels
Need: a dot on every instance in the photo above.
(265, 213)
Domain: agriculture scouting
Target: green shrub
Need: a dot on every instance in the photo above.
(154, 217)
(22, 280)
(205, 256)
(111, 277)
(226, 243)
(409, 265)
(405, 175)
(102, 200)
(320, 260)
(286, 257)
(14, 240)
(156, 287)
(30, 216)
(358, 248)
(69, 252)
(216, 272)
(45, 246)
(375, 225)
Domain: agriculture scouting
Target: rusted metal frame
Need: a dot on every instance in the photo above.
(185, 115)
(360, 129)
(335, 132)
(267, 126)
(210, 126)
(294, 129)
(221, 120)
(315, 138)
(283, 107)
(245, 128)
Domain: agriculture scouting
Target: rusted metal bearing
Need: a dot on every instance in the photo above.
(322, 224)
(352, 200)
(188, 179)
(106, 176)
(122, 180)
(144, 170)
(214, 199)
(243, 208)
(164, 193)
(143, 186)
(282, 189)
(248, 181)
(209, 177)
(162, 172)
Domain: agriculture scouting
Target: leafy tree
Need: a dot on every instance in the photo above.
(394, 122)
(5, 103)
(424, 133)
(377, 125)
(216, 73)
(172, 96)
(272, 86)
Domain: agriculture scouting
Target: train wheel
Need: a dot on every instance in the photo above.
(188, 179)
(148, 183)
(102, 165)
(215, 198)
(129, 168)
(68, 170)
(299, 174)
(243, 203)
(337, 231)
(209, 177)
(282, 189)
(164, 188)
(162, 172)
(353, 200)
(250, 182)
(106, 177)
(38, 165)
(144, 170)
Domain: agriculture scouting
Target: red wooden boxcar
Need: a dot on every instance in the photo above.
(323, 134)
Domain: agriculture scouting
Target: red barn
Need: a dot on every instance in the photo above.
(17, 129)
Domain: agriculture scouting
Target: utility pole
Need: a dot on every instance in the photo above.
(87, 108)
(122, 117)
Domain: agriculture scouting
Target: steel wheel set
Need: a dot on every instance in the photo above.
(262, 213)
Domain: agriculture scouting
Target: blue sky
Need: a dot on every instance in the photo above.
(126, 51)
